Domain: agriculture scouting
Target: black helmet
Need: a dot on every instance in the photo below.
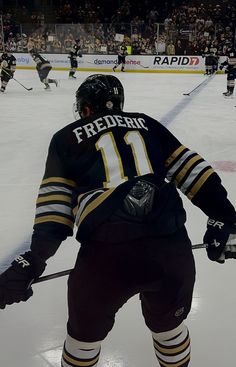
(100, 93)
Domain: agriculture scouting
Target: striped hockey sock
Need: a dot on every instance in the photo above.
(172, 348)
(80, 354)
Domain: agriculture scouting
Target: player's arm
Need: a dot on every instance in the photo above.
(201, 184)
(54, 219)
(13, 67)
(53, 223)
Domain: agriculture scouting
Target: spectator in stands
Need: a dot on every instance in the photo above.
(170, 49)
(179, 48)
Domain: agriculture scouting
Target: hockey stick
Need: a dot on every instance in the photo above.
(204, 81)
(12, 77)
(145, 67)
(52, 276)
(67, 272)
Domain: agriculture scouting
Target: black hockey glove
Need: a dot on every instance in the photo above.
(221, 67)
(15, 282)
(220, 240)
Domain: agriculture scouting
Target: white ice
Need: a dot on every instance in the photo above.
(32, 333)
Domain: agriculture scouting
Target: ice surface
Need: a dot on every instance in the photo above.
(32, 333)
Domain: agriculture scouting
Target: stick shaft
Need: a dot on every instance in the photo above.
(204, 81)
(67, 272)
(12, 77)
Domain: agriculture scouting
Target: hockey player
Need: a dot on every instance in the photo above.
(211, 59)
(43, 67)
(114, 174)
(8, 67)
(74, 53)
(121, 57)
(230, 64)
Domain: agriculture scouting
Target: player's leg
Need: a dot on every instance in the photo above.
(77, 353)
(123, 64)
(166, 308)
(96, 290)
(230, 83)
(3, 84)
(74, 65)
(49, 80)
(119, 61)
(4, 81)
(43, 73)
(172, 347)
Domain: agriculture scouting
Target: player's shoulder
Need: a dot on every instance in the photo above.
(113, 116)
(149, 119)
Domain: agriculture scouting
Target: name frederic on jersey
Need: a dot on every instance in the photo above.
(106, 122)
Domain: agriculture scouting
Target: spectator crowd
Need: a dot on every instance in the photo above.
(149, 27)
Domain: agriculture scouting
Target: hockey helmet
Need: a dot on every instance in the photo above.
(100, 93)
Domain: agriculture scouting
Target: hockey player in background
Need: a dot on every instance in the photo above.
(43, 68)
(211, 59)
(115, 175)
(230, 64)
(74, 53)
(8, 67)
(122, 53)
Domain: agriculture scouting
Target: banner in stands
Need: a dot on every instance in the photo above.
(135, 63)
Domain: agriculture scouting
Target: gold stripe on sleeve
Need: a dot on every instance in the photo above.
(54, 218)
(174, 155)
(186, 168)
(60, 180)
(199, 183)
(47, 198)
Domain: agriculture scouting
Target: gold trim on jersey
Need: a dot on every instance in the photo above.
(43, 199)
(94, 204)
(174, 155)
(200, 182)
(54, 218)
(60, 180)
(186, 168)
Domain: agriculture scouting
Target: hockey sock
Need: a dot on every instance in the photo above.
(3, 86)
(230, 86)
(80, 354)
(172, 347)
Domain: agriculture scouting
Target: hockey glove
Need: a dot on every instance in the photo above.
(220, 240)
(15, 282)
(221, 67)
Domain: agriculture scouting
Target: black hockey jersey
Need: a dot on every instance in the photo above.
(230, 62)
(75, 51)
(93, 162)
(41, 62)
(123, 51)
(8, 63)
